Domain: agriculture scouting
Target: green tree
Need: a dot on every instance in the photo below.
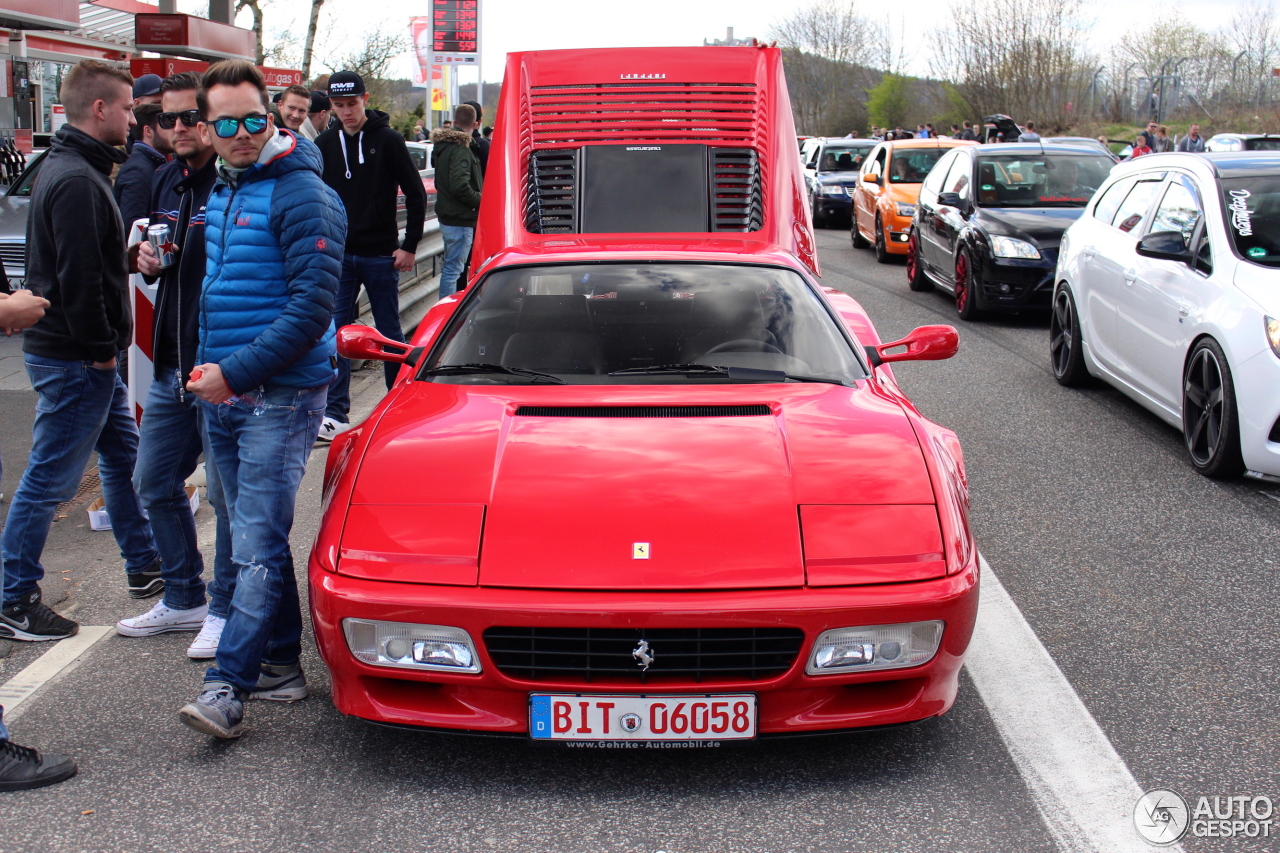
(889, 100)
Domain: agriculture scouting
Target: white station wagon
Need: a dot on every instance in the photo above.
(1168, 288)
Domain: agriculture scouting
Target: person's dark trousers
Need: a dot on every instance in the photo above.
(260, 443)
(381, 281)
(168, 451)
(80, 409)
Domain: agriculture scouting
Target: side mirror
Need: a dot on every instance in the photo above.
(871, 178)
(1165, 246)
(365, 342)
(950, 200)
(926, 343)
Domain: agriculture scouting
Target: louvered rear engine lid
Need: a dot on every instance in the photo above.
(656, 188)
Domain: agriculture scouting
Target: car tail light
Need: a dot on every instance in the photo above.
(874, 647)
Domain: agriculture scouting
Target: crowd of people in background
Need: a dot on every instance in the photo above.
(277, 213)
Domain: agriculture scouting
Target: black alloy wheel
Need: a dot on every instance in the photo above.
(1210, 422)
(966, 288)
(859, 242)
(916, 279)
(882, 252)
(1065, 337)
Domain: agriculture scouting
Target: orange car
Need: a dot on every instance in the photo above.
(882, 209)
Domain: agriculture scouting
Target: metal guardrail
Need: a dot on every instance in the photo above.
(419, 288)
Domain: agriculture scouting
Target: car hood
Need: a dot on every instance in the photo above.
(1261, 284)
(849, 178)
(1041, 225)
(592, 502)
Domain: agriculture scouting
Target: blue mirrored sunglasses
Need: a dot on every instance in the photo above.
(226, 128)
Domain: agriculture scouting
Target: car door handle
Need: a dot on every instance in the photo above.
(1183, 311)
(1088, 253)
(1130, 276)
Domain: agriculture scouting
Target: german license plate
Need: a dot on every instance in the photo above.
(577, 717)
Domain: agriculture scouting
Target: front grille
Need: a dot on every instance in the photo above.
(644, 112)
(605, 654)
(14, 255)
(642, 411)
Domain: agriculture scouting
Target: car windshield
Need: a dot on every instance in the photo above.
(1265, 144)
(1040, 180)
(842, 158)
(627, 324)
(1253, 217)
(911, 165)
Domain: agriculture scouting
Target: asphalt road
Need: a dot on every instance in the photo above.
(1153, 589)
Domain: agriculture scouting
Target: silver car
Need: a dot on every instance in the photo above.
(13, 222)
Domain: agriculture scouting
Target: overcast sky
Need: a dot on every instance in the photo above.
(513, 25)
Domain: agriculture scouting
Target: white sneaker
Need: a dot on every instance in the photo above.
(161, 619)
(330, 428)
(205, 645)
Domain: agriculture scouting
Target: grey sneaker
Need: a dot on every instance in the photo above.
(217, 711)
(280, 683)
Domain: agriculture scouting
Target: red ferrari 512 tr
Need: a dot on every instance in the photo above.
(645, 482)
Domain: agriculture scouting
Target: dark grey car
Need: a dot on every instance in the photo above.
(13, 222)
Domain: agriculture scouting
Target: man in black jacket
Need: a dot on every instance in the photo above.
(76, 259)
(365, 161)
(150, 151)
(172, 435)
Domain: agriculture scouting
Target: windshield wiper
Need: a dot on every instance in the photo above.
(450, 369)
(748, 373)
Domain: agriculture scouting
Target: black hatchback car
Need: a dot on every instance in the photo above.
(990, 218)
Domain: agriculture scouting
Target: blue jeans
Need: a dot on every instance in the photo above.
(80, 409)
(381, 281)
(260, 444)
(172, 438)
(457, 243)
(4, 733)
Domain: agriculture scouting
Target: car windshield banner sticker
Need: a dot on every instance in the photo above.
(1240, 215)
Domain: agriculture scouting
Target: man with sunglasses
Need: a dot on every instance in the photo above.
(150, 151)
(172, 433)
(274, 240)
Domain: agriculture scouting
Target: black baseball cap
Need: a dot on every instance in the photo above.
(319, 102)
(344, 84)
(147, 84)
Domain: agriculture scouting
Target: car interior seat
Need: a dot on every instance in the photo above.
(720, 316)
(555, 334)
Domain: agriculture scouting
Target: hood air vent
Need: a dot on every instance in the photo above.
(643, 411)
(551, 195)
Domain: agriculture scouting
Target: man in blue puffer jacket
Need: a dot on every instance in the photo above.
(274, 238)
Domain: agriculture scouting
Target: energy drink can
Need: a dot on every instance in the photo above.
(158, 237)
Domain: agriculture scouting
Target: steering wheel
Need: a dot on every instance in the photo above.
(743, 345)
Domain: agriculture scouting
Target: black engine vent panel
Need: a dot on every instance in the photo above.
(737, 202)
(552, 191)
(744, 411)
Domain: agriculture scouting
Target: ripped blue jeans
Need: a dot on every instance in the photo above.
(260, 443)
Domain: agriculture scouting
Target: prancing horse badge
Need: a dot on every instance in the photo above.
(639, 550)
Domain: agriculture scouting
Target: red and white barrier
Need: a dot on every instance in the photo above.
(142, 301)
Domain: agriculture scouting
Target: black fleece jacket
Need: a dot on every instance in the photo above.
(76, 254)
(375, 164)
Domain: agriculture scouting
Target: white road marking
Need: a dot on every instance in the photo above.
(1082, 788)
(62, 655)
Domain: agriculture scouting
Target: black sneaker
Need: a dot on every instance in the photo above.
(32, 621)
(146, 584)
(21, 768)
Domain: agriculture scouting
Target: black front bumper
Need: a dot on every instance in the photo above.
(1011, 284)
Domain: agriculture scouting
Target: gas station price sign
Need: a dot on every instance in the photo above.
(455, 27)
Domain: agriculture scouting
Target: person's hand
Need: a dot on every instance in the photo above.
(207, 384)
(104, 365)
(148, 263)
(20, 310)
(402, 260)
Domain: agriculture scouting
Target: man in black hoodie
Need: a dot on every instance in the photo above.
(76, 259)
(365, 162)
(150, 151)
